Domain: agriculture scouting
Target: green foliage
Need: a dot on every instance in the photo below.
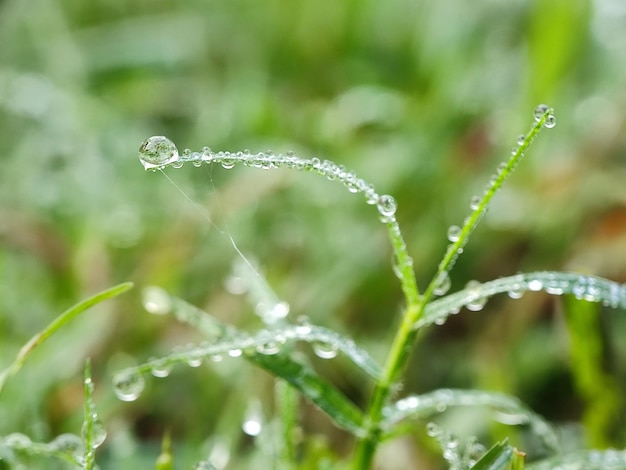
(418, 97)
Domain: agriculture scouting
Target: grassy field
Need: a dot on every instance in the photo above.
(422, 99)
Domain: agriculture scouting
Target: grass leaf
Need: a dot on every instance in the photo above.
(56, 324)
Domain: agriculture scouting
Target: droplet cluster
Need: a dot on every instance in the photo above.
(128, 384)
(158, 152)
(460, 454)
(475, 294)
(478, 203)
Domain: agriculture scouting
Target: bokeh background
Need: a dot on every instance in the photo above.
(423, 99)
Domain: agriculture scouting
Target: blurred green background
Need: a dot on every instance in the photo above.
(423, 99)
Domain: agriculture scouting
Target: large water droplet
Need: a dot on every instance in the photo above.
(454, 232)
(157, 152)
(156, 300)
(540, 111)
(386, 205)
(550, 121)
(442, 284)
(325, 350)
(98, 432)
(477, 302)
(128, 385)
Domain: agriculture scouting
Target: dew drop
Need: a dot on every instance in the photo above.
(477, 302)
(157, 151)
(128, 385)
(228, 163)
(540, 111)
(475, 202)
(520, 139)
(454, 232)
(156, 301)
(550, 121)
(217, 358)
(195, 360)
(161, 369)
(516, 293)
(98, 432)
(433, 430)
(324, 350)
(371, 196)
(386, 205)
(442, 286)
(178, 164)
(270, 348)
(197, 163)
(535, 285)
(235, 352)
(303, 326)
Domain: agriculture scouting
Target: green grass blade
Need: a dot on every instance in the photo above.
(342, 411)
(213, 329)
(589, 288)
(281, 362)
(499, 457)
(58, 323)
(543, 116)
(93, 429)
(603, 400)
(430, 404)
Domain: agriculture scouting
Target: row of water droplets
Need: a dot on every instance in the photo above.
(457, 235)
(475, 295)
(129, 383)
(459, 453)
(509, 410)
(93, 430)
(158, 152)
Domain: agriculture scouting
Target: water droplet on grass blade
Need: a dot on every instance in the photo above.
(443, 284)
(270, 348)
(386, 205)
(475, 202)
(98, 432)
(540, 111)
(128, 385)
(433, 430)
(476, 302)
(550, 121)
(157, 151)
(324, 350)
(520, 139)
(454, 232)
(161, 369)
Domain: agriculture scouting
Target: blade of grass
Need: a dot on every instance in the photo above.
(58, 323)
